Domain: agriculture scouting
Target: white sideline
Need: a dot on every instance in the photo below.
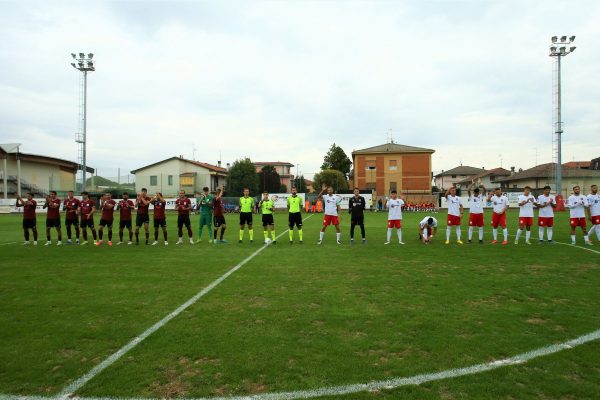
(4, 244)
(375, 385)
(81, 381)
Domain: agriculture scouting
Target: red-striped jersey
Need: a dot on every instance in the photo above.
(108, 212)
(29, 209)
(159, 208)
(125, 207)
(71, 205)
(183, 206)
(53, 209)
(86, 207)
(141, 208)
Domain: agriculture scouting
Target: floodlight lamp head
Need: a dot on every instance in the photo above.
(572, 49)
(91, 55)
(80, 64)
(572, 38)
(563, 50)
(563, 38)
(90, 64)
(554, 39)
(553, 49)
(73, 55)
(73, 65)
(81, 55)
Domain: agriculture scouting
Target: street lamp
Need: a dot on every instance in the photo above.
(85, 64)
(559, 48)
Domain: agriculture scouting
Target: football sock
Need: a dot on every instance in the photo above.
(362, 231)
(399, 233)
(389, 234)
(300, 234)
(470, 234)
(222, 232)
(321, 234)
(251, 233)
(338, 236)
(458, 232)
(156, 234)
(541, 234)
(505, 233)
(241, 234)
(447, 233)
(573, 238)
(527, 235)
(549, 233)
(352, 231)
(265, 234)
(100, 233)
(109, 235)
(481, 233)
(273, 235)
(586, 238)
(518, 234)
(291, 234)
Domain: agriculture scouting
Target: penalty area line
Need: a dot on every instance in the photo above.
(78, 383)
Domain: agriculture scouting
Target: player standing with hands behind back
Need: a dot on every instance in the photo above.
(356, 208)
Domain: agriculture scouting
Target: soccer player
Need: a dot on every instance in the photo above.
(526, 203)
(294, 204)
(142, 202)
(427, 229)
(183, 205)
(267, 207)
(594, 211)
(500, 205)
(394, 206)
(577, 203)
(546, 203)
(107, 205)
(125, 206)
(206, 208)
(356, 208)
(246, 207)
(88, 208)
(332, 213)
(160, 219)
(53, 217)
(29, 205)
(71, 206)
(476, 211)
(455, 212)
(219, 217)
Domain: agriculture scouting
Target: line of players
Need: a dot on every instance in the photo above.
(80, 215)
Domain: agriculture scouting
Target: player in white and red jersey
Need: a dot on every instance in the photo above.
(476, 211)
(332, 213)
(526, 203)
(546, 203)
(500, 205)
(394, 206)
(594, 211)
(455, 212)
(427, 228)
(577, 203)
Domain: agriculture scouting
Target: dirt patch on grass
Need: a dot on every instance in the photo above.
(536, 321)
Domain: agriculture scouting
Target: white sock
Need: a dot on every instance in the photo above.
(424, 234)
(527, 235)
(481, 233)
(447, 233)
(549, 232)
(598, 231)
(518, 234)
(338, 236)
(586, 238)
(458, 232)
(591, 231)
(470, 235)
(505, 233)
(389, 234)
(321, 234)
(573, 238)
(495, 233)
(541, 234)
(399, 232)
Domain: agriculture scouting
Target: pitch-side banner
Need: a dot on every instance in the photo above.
(513, 201)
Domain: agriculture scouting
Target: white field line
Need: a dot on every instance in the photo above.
(376, 385)
(4, 244)
(81, 381)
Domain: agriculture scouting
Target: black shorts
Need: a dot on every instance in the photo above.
(125, 224)
(106, 222)
(29, 223)
(295, 219)
(218, 220)
(141, 219)
(357, 220)
(267, 219)
(160, 222)
(183, 220)
(87, 223)
(53, 223)
(71, 221)
(245, 218)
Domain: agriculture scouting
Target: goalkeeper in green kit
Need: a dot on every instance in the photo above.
(206, 207)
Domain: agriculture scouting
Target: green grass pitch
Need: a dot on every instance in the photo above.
(300, 317)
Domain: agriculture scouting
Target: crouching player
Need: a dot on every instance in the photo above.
(427, 229)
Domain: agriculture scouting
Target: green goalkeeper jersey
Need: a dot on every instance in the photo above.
(206, 204)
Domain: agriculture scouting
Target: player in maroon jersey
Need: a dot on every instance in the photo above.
(88, 208)
(53, 217)
(219, 217)
(142, 202)
(107, 205)
(183, 205)
(71, 206)
(29, 205)
(125, 206)
(160, 219)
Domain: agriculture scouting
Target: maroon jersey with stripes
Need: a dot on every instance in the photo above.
(53, 209)
(218, 207)
(108, 212)
(159, 208)
(142, 209)
(86, 207)
(71, 205)
(184, 205)
(125, 209)
(29, 209)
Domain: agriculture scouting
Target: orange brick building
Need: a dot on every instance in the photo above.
(392, 166)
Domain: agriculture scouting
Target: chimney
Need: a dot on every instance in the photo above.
(512, 170)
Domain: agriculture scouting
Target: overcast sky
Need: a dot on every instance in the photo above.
(283, 80)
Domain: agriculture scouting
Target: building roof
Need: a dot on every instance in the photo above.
(495, 171)
(578, 164)
(44, 159)
(547, 171)
(462, 170)
(273, 163)
(198, 163)
(392, 148)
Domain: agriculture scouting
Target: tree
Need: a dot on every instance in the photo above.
(242, 174)
(269, 180)
(337, 159)
(330, 177)
(300, 184)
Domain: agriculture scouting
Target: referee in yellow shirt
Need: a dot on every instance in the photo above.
(294, 203)
(246, 207)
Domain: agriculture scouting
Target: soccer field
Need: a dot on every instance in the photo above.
(294, 321)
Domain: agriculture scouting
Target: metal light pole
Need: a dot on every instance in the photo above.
(85, 64)
(558, 49)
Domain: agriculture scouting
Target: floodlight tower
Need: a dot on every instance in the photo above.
(558, 49)
(85, 64)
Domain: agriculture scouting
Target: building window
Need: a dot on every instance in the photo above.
(393, 186)
(153, 180)
(186, 181)
(371, 186)
(170, 180)
(393, 165)
(453, 176)
(370, 165)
